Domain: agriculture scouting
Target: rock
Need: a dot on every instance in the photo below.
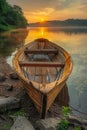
(9, 103)
(8, 87)
(48, 124)
(13, 76)
(53, 123)
(22, 123)
(78, 120)
(2, 77)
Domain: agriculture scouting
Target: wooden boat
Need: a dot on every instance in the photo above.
(43, 68)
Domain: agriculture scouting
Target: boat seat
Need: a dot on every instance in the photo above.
(41, 51)
(40, 64)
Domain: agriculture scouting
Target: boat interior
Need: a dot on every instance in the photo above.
(42, 62)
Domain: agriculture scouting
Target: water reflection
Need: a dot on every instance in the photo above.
(68, 30)
(56, 34)
(63, 98)
(11, 40)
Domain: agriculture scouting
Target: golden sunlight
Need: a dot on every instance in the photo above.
(42, 20)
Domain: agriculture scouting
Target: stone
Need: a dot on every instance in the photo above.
(85, 127)
(78, 120)
(2, 77)
(8, 86)
(53, 123)
(13, 76)
(9, 103)
(22, 123)
(48, 124)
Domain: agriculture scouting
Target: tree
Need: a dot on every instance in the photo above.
(17, 9)
(11, 16)
(3, 7)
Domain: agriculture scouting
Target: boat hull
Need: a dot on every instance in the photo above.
(42, 101)
(43, 97)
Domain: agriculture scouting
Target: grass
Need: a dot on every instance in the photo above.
(6, 126)
(21, 112)
(77, 128)
(15, 114)
(63, 125)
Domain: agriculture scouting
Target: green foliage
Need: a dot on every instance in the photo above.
(6, 126)
(11, 16)
(65, 112)
(77, 128)
(21, 112)
(17, 9)
(63, 125)
(6, 28)
(3, 7)
(15, 114)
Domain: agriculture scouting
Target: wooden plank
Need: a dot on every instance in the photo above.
(44, 72)
(40, 64)
(36, 51)
(38, 75)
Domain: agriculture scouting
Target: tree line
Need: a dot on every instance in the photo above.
(11, 16)
(64, 23)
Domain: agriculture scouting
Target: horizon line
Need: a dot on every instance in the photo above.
(58, 20)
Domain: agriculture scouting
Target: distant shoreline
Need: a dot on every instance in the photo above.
(57, 23)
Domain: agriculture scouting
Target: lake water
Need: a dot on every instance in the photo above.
(74, 40)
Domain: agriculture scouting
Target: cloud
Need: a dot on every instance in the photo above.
(71, 4)
(34, 5)
(83, 7)
(44, 12)
(31, 5)
(38, 14)
(52, 9)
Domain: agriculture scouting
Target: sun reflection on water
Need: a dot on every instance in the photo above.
(53, 34)
(37, 33)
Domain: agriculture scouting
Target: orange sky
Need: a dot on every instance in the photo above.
(36, 10)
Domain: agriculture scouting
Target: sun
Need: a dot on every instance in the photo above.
(42, 19)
